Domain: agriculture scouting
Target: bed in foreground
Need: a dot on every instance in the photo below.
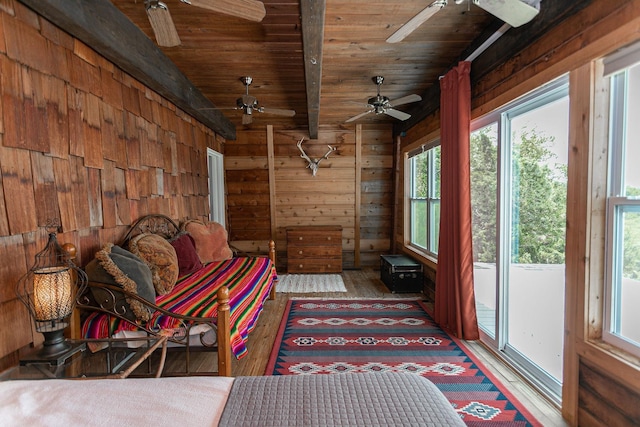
(374, 399)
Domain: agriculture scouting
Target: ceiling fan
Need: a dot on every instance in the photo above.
(165, 30)
(380, 104)
(513, 12)
(248, 104)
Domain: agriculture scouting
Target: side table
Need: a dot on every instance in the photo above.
(102, 358)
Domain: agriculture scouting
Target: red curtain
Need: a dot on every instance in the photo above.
(455, 309)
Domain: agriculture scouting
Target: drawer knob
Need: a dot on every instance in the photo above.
(299, 252)
(300, 238)
(328, 237)
(301, 266)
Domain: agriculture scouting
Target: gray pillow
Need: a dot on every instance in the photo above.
(119, 267)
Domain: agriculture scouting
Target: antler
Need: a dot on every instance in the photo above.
(313, 164)
(303, 155)
(326, 156)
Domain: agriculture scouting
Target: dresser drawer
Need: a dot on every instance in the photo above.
(298, 251)
(315, 238)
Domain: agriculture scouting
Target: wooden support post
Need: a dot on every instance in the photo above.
(224, 333)
(358, 197)
(272, 257)
(75, 330)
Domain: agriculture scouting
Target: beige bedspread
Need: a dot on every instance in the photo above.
(191, 401)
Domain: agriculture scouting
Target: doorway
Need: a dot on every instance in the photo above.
(518, 187)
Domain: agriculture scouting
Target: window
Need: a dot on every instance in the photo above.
(622, 286)
(518, 163)
(424, 198)
(217, 207)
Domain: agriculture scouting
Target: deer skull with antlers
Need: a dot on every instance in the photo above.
(313, 164)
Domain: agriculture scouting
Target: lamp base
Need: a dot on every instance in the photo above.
(55, 349)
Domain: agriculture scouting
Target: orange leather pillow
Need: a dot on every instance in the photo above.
(210, 239)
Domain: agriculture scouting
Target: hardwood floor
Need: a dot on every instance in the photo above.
(366, 283)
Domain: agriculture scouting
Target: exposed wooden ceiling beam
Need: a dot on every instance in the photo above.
(102, 26)
(312, 13)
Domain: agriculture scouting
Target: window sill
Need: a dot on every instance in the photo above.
(426, 258)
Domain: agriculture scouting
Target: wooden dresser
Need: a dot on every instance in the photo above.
(314, 249)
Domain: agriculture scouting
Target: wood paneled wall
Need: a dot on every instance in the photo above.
(604, 401)
(270, 188)
(601, 386)
(86, 144)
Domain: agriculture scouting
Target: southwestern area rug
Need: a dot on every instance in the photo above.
(350, 336)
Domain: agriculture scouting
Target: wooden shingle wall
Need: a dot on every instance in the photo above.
(86, 144)
(352, 188)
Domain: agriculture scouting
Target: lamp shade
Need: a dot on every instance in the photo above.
(52, 293)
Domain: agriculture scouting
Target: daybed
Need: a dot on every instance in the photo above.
(367, 399)
(156, 283)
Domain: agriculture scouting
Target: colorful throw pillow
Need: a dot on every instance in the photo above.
(210, 240)
(161, 258)
(114, 265)
(188, 260)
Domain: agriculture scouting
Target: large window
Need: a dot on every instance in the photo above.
(424, 198)
(622, 287)
(518, 207)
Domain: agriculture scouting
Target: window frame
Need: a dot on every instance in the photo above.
(617, 203)
(432, 202)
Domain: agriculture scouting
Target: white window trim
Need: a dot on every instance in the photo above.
(616, 67)
(217, 200)
(408, 179)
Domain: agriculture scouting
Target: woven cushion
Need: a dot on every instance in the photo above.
(188, 261)
(210, 240)
(161, 258)
(114, 265)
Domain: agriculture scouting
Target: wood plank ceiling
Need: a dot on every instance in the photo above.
(316, 57)
(216, 50)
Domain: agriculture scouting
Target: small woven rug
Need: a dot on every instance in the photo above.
(340, 336)
(306, 283)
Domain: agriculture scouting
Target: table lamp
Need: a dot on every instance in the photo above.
(49, 291)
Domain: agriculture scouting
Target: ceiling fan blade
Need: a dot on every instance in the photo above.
(358, 116)
(405, 100)
(251, 10)
(162, 24)
(277, 111)
(410, 26)
(513, 12)
(396, 114)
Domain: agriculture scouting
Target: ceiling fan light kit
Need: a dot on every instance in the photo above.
(162, 23)
(513, 12)
(380, 104)
(248, 104)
